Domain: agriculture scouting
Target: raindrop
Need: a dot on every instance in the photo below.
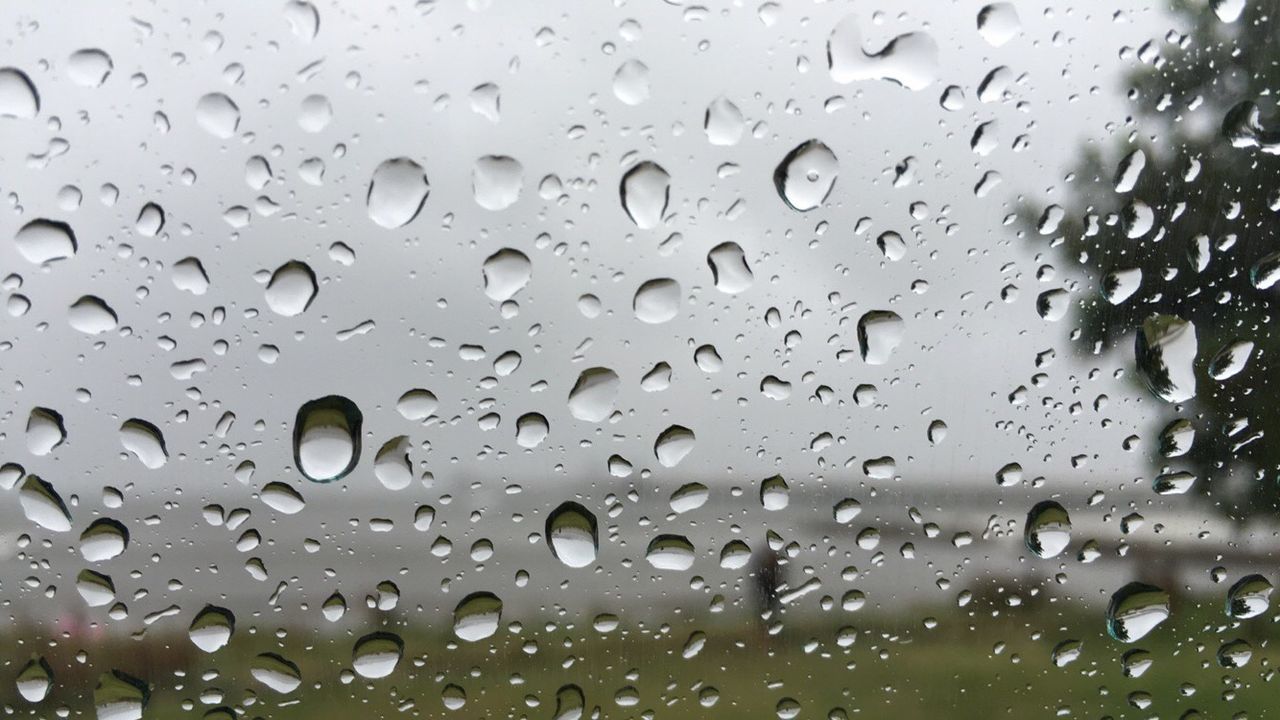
(42, 505)
(217, 115)
(1249, 597)
(645, 191)
(594, 394)
(880, 332)
(572, 535)
(806, 175)
(670, 552)
(998, 23)
(89, 67)
(775, 494)
(531, 429)
(1165, 353)
(1135, 610)
(103, 540)
(657, 301)
(723, 122)
(45, 431)
(145, 442)
(673, 444)
(477, 616)
(326, 438)
(291, 289)
(35, 680)
(282, 498)
(910, 60)
(41, 241)
(211, 628)
(729, 269)
(1048, 529)
(397, 191)
(376, 655)
(506, 272)
(119, 696)
(496, 181)
(631, 82)
(18, 97)
(91, 316)
(276, 672)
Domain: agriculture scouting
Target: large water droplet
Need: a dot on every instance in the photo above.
(496, 181)
(673, 444)
(34, 680)
(723, 122)
(998, 23)
(657, 301)
(145, 442)
(211, 628)
(729, 269)
(1249, 597)
(806, 175)
(631, 82)
(291, 289)
(397, 191)
(376, 655)
(391, 464)
(43, 505)
(670, 552)
(103, 540)
(572, 535)
(41, 241)
(477, 616)
(18, 97)
(1228, 11)
(1135, 610)
(282, 498)
(1048, 529)
(326, 438)
(645, 191)
(276, 672)
(910, 60)
(217, 115)
(880, 332)
(91, 315)
(45, 431)
(506, 272)
(120, 696)
(1165, 353)
(89, 67)
(593, 395)
(570, 703)
(95, 588)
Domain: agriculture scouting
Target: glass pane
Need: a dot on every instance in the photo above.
(642, 359)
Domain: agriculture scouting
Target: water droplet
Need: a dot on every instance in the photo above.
(670, 552)
(18, 97)
(593, 395)
(145, 442)
(91, 316)
(217, 115)
(1048, 529)
(531, 429)
(729, 269)
(35, 680)
(910, 60)
(41, 241)
(95, 588)
(723, 122)
(1230, 360)
(506, 272)
(631, 82)
(880, 332)
(334, 607)
(775, 494)
(89, 67)
(120, 696)
(1120, 285)
(1066, 652)
(1228, 11)
(326, 438)
(276, 672)
(735, 555)
(417, 404)
(1177, 437)
(657, 301)
(42, 505)
(282, 498)
(1135, 610)
(1165, 353)
(496, 181)
(291, 289)
(645, 191)
(1249, 597)
(572, 535)
(998, 23)
(397, 192)
(391, 464)
(103, 540)
(1174, 483)
(689, 497)
(477, 616)
(1235, 653)
(315, 113)
(806, 175)
(673, 445)
(570, 703)
(376, 655)
(45, 431)
(1052, 305)
(211, 628)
